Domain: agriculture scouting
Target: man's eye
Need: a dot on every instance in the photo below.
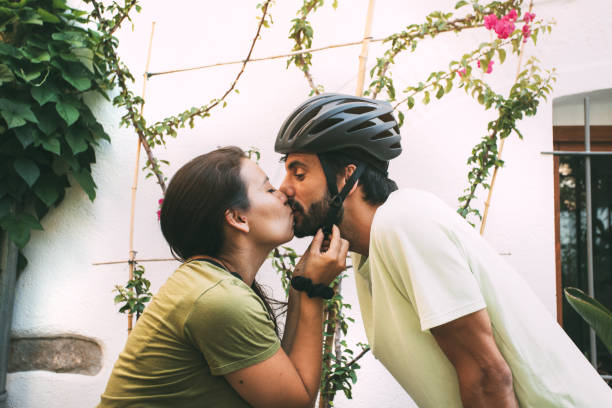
(299, 176)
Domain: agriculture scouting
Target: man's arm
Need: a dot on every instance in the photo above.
(485, 379)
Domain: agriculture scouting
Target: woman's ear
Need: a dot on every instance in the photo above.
(236, 219)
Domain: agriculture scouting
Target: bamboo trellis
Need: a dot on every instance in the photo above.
(364, 42)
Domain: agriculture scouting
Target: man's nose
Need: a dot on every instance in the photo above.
(286, 188)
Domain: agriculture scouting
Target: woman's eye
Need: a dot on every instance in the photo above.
(272, 190)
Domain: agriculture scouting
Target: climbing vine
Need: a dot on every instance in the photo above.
(48, 63)
(468, 72)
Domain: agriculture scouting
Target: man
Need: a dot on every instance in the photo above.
(445, 315)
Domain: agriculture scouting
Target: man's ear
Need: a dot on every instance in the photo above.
(236, 219)
(342, 179)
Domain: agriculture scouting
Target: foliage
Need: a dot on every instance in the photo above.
(135, 295)
(302, 33)
(593, 312)
(523, 100)
(49, 61)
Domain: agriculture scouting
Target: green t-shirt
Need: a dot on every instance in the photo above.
(202, 324)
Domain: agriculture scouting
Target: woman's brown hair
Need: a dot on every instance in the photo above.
(193, 211)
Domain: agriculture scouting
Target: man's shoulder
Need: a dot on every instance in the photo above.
(406, 205)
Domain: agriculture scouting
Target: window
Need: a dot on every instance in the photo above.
(570, 214)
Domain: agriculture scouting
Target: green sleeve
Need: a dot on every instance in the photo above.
(231, 327)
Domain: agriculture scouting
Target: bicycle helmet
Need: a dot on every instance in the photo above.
(363, 128)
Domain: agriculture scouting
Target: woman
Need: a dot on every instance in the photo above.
(208, 338)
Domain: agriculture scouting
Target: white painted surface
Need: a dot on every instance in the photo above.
(61, 292)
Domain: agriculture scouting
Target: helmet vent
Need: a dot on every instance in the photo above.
(363, 125)
(382, 135)
(303, 121)
(326, 124)
(387, 117)
(360, 110)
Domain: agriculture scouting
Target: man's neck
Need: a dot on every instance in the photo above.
(356, 224)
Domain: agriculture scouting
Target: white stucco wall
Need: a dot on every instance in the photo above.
(60, 292)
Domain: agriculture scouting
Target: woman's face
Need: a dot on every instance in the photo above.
(270, 216)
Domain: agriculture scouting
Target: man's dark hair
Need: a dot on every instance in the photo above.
(376, 185)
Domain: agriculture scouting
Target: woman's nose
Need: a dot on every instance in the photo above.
(283, 197)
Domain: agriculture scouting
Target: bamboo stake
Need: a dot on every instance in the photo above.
(132, 253)
(501, 147)
(363, 58)
(333, 337)
(290, 54)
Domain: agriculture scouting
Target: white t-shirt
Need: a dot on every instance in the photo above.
(427, 266)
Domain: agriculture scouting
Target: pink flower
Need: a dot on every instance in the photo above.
(526, 32)
(512, 15)
(461, 72)
(529, 17)
(160, 201)
(489, 67)
(158, 215)
(504, 28)
(490, 21)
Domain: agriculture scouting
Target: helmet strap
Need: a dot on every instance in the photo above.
(337, 198)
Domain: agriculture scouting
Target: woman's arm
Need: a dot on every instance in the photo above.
(291, 379)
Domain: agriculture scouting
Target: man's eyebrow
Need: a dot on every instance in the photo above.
(296, 163)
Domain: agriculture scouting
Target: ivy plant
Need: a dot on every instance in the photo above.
(48, 62)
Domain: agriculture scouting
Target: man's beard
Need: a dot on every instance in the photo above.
(314, 219)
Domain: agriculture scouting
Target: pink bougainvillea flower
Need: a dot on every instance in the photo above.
(504, 28)
(158, 215)
(526, 32)
(490, 21)
(529, 17)
(512, 15)
(490, 67)
(478, 63)
(160, 201)
(461, 72)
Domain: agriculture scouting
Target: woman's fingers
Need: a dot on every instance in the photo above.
(334, 241)
(315, 245)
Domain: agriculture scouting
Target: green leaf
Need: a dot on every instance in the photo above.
(593, 312)
(19, 227)
(26, 135)
(460, 4)
(76, 139)
(410, 102)
(502, 55)
(12, 120)
(83, 177)
(27, 169)
(52, 145)
(85, 56)
(47, 17)
(440, 92)
(44, 93)
(10, 50)
(47, 189)
(67, 111)
(6, 75)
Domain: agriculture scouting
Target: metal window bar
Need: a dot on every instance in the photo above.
(589, 213)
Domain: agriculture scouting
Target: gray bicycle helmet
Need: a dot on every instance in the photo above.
(331, 122)
(363, 128)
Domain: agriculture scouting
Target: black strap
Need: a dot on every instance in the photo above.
(337, 198)
(304, 284)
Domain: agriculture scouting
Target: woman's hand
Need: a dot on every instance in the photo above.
(320, 265)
